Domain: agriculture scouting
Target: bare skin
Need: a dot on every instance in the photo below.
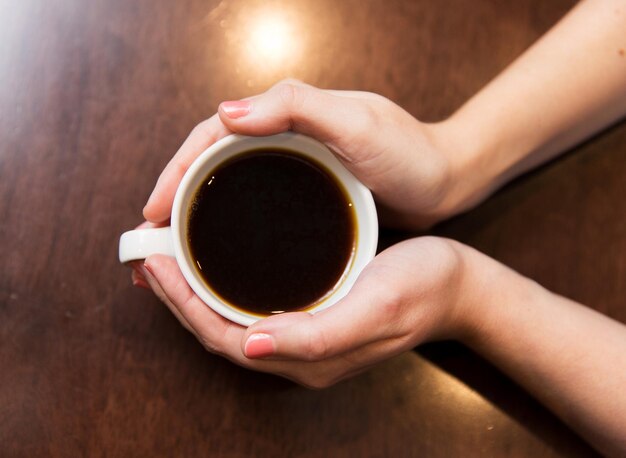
(555, 95)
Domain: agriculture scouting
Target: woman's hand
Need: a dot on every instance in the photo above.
(402, 160)
(412, 292)
(569, 356)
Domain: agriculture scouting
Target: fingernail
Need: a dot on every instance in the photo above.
(236, 108)
(136, 269)
(140, 283)
(140, 277)
(259, 346)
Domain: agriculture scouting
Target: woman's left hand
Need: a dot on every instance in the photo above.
(409, 293)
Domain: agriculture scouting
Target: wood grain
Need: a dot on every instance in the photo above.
(96, 96)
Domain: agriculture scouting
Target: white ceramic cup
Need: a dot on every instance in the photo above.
(172, 240)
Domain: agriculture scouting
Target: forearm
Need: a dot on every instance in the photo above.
(567, 86)
(570, 357)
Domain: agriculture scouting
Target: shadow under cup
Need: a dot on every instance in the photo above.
(265, 225)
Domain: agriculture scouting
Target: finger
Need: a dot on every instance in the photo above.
(216, 333)
(351, 323)
(151, 225)
(330, 118)
(220, 336)
(139, 280)
(137, 276)
(154, 285)
(159, 206)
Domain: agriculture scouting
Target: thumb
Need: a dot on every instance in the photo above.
(349, 324)
(292, 105)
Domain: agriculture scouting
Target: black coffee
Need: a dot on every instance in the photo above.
(271, 231)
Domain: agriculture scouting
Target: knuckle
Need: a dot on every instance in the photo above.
(366, 122)
(381, 100)
(179, 167)
(318, 385)
(318, 382)
(200, 127)
(371, 118)
(391, 304)
(293, 81)
(291, 94)
(213, 340)
(389, 300)
(443, 250)
(316, 347)
(209, 345)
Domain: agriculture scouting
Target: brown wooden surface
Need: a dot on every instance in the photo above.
(95, 96)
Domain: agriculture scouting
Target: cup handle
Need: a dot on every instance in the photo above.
(141, 243)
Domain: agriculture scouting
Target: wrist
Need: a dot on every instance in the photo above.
(492, 295)
(470, 173)
(473, 286)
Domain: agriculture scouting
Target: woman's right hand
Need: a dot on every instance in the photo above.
(403, 161)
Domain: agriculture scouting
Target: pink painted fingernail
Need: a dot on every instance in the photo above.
(259, 346)
(137, 269)
(140, 283)
(236, 108)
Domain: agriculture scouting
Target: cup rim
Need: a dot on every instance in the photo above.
(235, 144)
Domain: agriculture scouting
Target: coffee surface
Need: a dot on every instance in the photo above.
(271, 231)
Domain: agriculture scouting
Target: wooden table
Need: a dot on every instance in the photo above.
(95, 96)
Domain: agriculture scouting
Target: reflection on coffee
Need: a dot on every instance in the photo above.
(271, 231)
